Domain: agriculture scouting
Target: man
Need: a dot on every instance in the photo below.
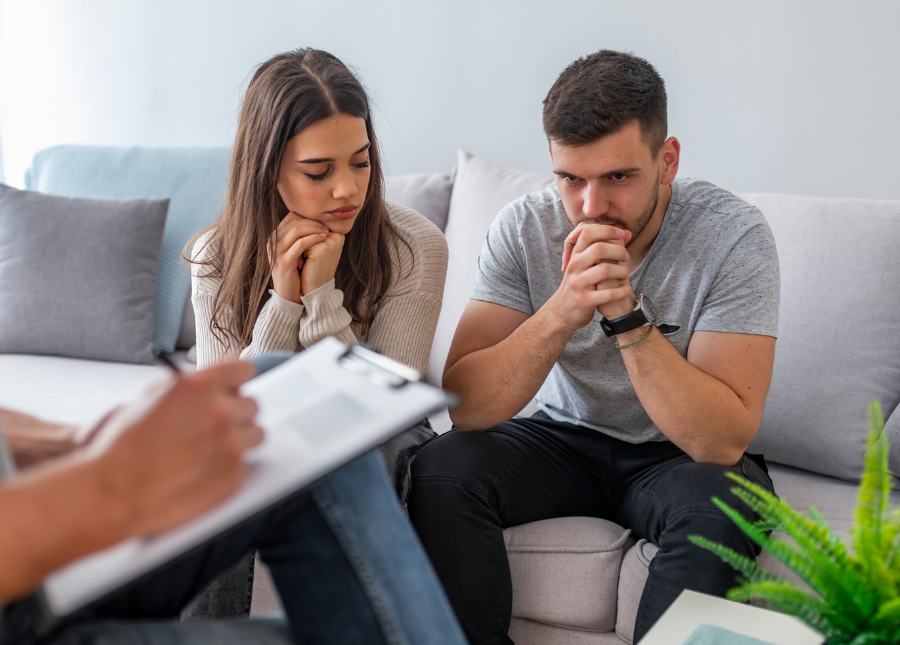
(346, 564)
(642, 312)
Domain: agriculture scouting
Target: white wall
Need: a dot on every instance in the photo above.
(787, 96)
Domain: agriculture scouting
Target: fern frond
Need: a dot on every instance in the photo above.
(872, 536)
(868, 638)
(833, 582)
(790, 599)
(817, 517)
(888, 618)
(874, 488)
(741, 563)
(807, 532)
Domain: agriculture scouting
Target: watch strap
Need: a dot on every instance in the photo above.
(625, 323)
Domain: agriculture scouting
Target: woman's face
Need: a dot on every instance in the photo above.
(324, 172)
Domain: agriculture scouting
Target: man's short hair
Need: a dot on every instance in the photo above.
(599, 94)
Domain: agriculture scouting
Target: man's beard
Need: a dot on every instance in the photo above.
(639, 224)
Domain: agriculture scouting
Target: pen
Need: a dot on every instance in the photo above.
(170, 364)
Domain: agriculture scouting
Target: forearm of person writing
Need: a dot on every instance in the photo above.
(53, 515)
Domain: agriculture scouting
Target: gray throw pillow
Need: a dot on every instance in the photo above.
(78, 275)
(838, 347)
(425, 193)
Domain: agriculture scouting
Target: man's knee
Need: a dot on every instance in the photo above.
(454, 455)
(697, 483)
(692, 511)
(451, 479)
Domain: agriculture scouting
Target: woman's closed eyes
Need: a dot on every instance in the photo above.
(321, 176)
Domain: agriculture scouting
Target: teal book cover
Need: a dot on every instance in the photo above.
(712, 635)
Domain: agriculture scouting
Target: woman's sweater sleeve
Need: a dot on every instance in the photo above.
(407, 319)
(325, 316)
(275, 329)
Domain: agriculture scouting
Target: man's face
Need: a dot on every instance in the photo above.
(614, 180)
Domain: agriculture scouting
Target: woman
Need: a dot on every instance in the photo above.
(307, 247)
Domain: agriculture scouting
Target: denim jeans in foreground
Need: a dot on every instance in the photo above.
(345, 560)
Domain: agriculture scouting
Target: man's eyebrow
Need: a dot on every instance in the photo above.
(617, 171)
(326, 159)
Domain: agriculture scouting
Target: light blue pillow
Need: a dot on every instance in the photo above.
(194, 179)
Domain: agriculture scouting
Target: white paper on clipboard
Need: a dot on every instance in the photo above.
(319, 410)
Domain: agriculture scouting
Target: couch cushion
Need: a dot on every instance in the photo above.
(566, 571)
(837, 343)
(528, 632)
(78, 275)
(425, 193)
(194, 180)
(70, 390)
(480, 189)
(632, 579)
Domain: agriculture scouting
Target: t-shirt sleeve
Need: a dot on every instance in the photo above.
(500, 276)
(745, 293)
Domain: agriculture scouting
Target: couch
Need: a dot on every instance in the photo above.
(575, 580)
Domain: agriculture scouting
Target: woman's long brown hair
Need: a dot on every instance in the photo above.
(288, 93)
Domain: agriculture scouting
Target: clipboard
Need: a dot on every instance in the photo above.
(319, 410)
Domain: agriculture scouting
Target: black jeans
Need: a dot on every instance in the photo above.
(469, 486)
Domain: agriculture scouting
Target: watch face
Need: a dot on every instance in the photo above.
(648, 308)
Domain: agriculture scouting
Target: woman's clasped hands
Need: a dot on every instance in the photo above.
(306, 256)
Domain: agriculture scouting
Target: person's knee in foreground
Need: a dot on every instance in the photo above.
(641, 311)
(345, 562)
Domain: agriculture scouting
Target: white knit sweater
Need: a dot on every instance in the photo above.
(404, 323)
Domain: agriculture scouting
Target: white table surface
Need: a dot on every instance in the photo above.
(693, 609)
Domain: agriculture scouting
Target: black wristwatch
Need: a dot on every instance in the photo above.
(643, 314)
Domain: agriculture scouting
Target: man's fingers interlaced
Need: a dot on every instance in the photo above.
(587, 234)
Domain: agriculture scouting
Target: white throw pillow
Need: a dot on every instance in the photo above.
(481, 189)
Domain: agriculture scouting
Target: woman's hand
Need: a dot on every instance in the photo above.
(295, 235)
(321, 262)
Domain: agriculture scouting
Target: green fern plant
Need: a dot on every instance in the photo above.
(854, 593)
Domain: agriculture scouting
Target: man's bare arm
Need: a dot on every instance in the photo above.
(711, 404)
(498, 360)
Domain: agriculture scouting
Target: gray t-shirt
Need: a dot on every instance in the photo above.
(713, 267)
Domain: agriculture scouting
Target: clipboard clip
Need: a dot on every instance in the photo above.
(379, 369)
